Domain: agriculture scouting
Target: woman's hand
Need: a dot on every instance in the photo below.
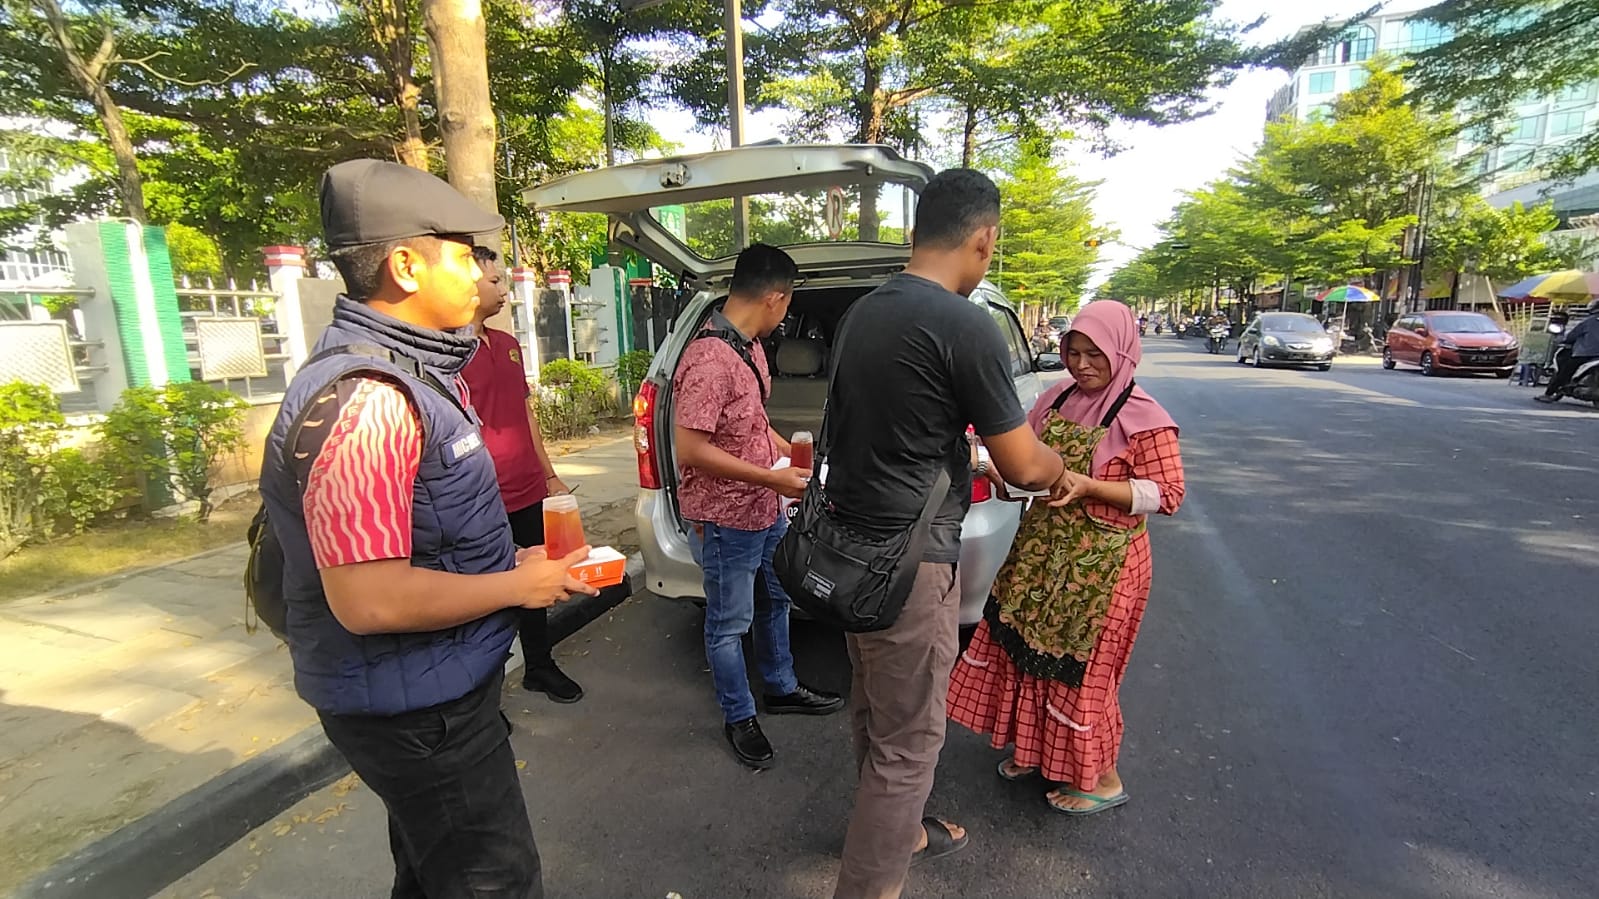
(1070, 488)
(556, 486)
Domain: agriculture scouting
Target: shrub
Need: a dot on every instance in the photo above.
(79, 488)
(42, 484)
(631, 370)
(175, 435)
(571, 398)
(583, 383)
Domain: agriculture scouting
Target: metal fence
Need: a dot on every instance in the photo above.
(232, 338)
(38, 348)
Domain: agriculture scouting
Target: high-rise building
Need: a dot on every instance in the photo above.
(1514, 155)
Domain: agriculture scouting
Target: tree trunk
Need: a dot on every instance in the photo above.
(869, 109)
(389, 23)
(969, 138)
(466, 118)
(90, 74)
(130, 185)
(412, 150)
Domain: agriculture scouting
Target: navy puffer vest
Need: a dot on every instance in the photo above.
(459, 525)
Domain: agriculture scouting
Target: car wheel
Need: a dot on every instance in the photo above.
(1259, 362)
(1388, 358)
(1325, 366)
(1426, 365)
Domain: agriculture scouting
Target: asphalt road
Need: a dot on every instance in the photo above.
(1368, 669)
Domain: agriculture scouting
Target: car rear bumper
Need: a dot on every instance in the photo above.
(670, 571)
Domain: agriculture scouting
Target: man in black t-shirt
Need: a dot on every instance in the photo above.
(918, 363)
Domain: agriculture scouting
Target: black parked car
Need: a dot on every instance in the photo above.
(1286, 338)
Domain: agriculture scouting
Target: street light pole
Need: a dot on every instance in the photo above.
(734, 26)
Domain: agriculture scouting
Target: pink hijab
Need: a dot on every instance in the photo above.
(1110, 325)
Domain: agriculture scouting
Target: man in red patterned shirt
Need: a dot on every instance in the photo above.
(729, 493)
(498, 385)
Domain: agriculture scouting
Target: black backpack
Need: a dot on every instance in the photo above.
(263, 572)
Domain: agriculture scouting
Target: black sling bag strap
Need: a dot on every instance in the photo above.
(836, 574)
(742, 347)
(1110, 416)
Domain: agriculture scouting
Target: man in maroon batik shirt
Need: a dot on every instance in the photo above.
(500, 394)
(729, 494)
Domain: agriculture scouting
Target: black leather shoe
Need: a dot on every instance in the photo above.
(1546, 398)
(804, 701)
(552, 682)
(749, 744)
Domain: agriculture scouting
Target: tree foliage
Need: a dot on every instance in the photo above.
(1341, 199)
(1046, 219)
(1502, 51)
(1026, 69)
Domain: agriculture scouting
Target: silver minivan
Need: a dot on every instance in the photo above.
(677, 211)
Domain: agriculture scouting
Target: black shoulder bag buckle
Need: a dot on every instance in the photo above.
(838, 575)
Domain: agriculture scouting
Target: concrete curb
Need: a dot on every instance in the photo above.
(152, 853)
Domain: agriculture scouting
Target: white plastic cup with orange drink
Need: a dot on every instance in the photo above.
(563, 526)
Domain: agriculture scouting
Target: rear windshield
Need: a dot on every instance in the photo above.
(785, 219)
(1298, 324)
(1464, 324)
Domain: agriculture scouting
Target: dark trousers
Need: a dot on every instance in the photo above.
(533, 625)
(458, 826)
(897, 712)
(1568, 366)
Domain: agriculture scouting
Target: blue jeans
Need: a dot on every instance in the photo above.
(731, 558)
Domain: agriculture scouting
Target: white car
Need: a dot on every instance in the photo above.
(796, 180)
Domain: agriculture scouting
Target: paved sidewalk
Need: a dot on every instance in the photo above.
(122, 695)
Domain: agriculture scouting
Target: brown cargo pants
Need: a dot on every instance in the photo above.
(901, 678)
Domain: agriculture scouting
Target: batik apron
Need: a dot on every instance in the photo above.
(1052, 595)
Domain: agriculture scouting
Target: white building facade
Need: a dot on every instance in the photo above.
(26, 264)
(1536, 125)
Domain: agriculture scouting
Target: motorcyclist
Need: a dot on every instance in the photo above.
(1584, 343)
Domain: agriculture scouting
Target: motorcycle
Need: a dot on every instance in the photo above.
(1584, 383)
(1158, 328)
(1218, 338)
(1143, 329)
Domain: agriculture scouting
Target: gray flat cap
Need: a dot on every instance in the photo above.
(370, 201)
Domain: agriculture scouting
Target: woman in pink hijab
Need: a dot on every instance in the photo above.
(1043, 670)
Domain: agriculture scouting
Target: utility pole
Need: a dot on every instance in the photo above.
(734, 26)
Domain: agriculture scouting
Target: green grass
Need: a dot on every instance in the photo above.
(119, 547)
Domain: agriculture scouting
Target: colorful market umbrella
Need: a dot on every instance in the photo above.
(1566, 285)
(1348, 293)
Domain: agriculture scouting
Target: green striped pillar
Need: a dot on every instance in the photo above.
(138, 267)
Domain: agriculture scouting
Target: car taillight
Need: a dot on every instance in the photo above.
(982, 489)
(649, 475)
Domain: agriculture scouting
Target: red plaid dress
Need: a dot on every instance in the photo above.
(1073, 734)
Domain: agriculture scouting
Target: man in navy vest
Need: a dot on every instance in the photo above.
(401, 581)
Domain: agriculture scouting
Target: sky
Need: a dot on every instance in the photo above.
(1144, 181)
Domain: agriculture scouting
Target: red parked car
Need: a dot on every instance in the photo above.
(1451, 341)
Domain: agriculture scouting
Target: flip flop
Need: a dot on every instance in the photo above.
(939, 842)
(1101, 803)
(1013, 777)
